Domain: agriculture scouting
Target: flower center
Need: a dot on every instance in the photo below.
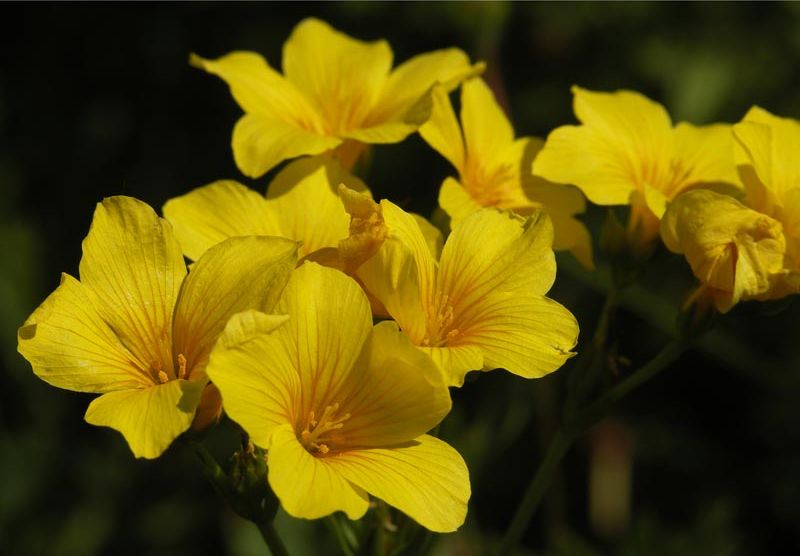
(319, 433)
(440, 322)
(163, 377)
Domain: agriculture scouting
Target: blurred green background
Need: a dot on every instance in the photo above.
(97, 100)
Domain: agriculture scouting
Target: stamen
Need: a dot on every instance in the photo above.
(162, 376)
(181, 366)
(313, 437)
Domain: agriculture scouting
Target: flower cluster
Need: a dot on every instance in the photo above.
(273, 321)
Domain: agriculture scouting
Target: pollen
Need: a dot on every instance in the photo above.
(181, 365)
(318, 433)
(162, 377)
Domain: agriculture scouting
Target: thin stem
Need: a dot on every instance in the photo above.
(574, 427)
(335, 526)
(270, 535)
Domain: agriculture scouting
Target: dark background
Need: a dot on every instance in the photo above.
(97, 100)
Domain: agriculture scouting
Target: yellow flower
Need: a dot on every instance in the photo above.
(494, 168)
(301, 204)
(137, 329)
(335, 91)
(736, 252)
(482, 306)
(341, 406)
(626, 152)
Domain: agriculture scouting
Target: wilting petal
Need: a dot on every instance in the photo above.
(527, 334)
(329, 321)
(210, 214)
(238, 274)
(620, 146)
(310, 487)
(134, 266)
(259, 143)
(496, 251)
(442, 131)
(395, 392)
(149, 418)
(303, 200)
(70, 346)
(730, 247)
(487, 131)
(343, 76)
(252, 370)
(259, 89)
(425, 479)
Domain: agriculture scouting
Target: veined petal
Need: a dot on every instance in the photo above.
(456, 361)
(134, 267)
(149, 418)
(527, 334)
(442, 131)
(259, 143)
(253, 371)
(210, 214)
(426, 479)
(496, 251)
(395, 392)
(396, 129)
(343, 76)
(310, 487)
(303, 199)
(625, 141)
(259, 89)
(330, 320)
(432, 234)
(238, 274)
(402, 273)
(412, 79)
(456, 202)
(487, 131)
(70, 346)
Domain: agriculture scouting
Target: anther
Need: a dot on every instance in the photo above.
(162, 376)
(181, 366)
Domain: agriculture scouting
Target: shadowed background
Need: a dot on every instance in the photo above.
(100, 100)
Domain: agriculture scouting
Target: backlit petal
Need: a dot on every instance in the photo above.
(134, 267)
(238, 274)
(259, 143)
(487, 131)
(425, 479)
(209, 214)
(442, 131)
(70, 346)
(456, 361)
(149, 418)
(309, 487)
(456, 202)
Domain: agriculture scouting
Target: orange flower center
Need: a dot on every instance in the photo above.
(320, 433)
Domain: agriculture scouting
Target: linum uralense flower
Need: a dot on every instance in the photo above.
(138, 329)
(746, 248)
(301, 203)
(341, 406)
(336, 92)
(481, 305)
(494, 168)
(626, 152)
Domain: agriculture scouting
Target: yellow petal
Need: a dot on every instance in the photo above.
(134, 267)
(395, 392)
(702, 155)
(259, 143)
(432, 234)
(149, 418)
(426, 479)
(253, 371)
(442, 131)
(401, 274)
(730, 247)
(456, 202)
(259, 89)
(527, 334)
(343, 76)
(303, 199)
(412, 79)
(625, 141)
(212, 213)
(69, 346)
(487, 131)
(310, 487)
(397, 129)
(238, 274)
(330, 320)
(496, 251)
(456, 361)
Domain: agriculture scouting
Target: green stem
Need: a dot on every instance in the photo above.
(335, 526)
(270, 535)
(574, 427)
